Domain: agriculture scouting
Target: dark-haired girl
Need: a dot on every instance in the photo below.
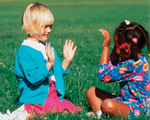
(127, 65)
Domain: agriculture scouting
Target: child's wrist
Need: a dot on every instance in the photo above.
(106, 48)
(65, 63)
(49, 65)
(67, 60)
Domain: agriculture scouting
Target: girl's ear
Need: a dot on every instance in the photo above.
(127, 49)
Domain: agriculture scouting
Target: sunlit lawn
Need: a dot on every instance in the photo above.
(80, 21)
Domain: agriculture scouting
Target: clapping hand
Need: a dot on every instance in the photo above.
(68, 50)
(50, 55)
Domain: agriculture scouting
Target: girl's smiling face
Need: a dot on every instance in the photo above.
(124, 53)
(44, 33)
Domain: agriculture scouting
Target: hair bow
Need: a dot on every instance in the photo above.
(123, 45)
(127, 22)
(134, 40)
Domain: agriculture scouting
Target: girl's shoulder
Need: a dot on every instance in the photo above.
(26, 50)
(129, 61)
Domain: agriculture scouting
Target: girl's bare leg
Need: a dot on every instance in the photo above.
(101, 100)
(95, 97)
(115, 108)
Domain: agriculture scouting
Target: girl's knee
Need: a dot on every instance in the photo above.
(90, 92)
(107, 106)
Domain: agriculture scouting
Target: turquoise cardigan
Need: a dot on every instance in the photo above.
(32, 75)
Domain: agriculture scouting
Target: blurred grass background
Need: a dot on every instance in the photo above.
(80, 21)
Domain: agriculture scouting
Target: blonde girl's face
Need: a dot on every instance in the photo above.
(44, 33)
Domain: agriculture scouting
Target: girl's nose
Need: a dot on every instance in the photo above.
(49, 29)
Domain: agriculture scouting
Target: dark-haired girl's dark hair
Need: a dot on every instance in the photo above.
(127, 31)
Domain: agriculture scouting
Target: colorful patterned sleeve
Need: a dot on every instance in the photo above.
(123, 71)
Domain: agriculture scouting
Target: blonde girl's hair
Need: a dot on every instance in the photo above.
(34, 17)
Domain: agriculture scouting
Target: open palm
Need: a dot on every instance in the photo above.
(68, 50)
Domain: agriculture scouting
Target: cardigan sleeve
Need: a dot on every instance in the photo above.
(33, 73)
(31, 67)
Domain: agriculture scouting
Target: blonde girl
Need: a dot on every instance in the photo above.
(38, 68)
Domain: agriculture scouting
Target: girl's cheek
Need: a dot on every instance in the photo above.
(117, 50)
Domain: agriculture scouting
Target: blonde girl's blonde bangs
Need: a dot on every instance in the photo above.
(47, 18)
(36, 16)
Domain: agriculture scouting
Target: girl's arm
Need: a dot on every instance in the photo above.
(106, 47)
(68, 52)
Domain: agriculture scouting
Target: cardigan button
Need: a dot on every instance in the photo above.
(59, 89)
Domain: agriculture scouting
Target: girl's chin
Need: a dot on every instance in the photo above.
(44, 39)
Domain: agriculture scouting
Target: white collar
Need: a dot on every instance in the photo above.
(38, 46)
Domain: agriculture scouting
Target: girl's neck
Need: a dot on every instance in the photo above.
(33, 39)
(140, 54)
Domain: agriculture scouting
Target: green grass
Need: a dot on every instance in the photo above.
(80, 21)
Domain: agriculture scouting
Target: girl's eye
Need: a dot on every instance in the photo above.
(48, 26)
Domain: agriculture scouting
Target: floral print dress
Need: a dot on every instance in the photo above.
(134, 83)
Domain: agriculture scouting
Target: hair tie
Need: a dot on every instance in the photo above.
(123, 45)
(134, 40)
(127, 22)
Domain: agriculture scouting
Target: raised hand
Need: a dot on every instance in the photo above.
(68, 50)
(50, 55)
(106, 36)
(106, 47)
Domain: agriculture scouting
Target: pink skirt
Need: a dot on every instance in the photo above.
(52, 104)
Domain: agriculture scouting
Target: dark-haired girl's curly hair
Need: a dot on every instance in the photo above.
(127, 31)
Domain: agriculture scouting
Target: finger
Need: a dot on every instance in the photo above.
(102, 31)
(75, 48)
(72, 45)
(48, 47)
(70, 41)
(105, 34)
(64, 48)
(66, 43)
(52, 53)
(49, 44)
